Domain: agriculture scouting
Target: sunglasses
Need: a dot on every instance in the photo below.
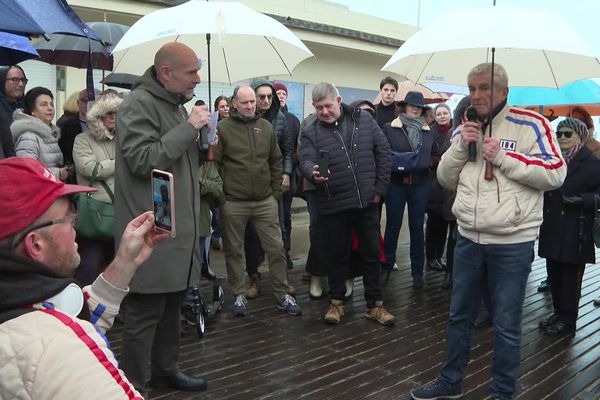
(566, 134)
(265, 96)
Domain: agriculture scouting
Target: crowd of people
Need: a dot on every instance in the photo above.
(477, 201)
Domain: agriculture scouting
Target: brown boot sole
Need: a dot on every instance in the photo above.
(332, 321)
(390, 322)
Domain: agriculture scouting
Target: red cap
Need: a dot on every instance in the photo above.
(27, 190)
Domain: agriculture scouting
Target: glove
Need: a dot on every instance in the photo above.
(572, 201)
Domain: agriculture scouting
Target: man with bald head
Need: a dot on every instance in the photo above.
(250, 163)
(154, 130)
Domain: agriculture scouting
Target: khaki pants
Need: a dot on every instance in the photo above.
(264, 216)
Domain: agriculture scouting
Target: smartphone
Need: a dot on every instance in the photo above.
(323, 163)
(163, 201)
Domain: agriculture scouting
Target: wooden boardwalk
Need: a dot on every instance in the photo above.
(270, 355)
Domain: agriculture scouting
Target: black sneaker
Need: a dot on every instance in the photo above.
(437, 390)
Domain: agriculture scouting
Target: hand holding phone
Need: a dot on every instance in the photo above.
(323, 163)
(163, 199)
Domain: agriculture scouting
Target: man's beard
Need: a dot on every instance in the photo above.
(63, 262)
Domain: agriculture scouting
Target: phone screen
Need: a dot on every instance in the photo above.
(161, 194)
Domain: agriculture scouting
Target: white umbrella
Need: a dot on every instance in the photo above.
(245, 43)
(536, 48)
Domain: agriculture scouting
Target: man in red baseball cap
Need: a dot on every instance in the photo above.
(52, 340)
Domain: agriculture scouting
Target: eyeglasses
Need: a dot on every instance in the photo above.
(71, 218)
(16, 81)
(567, 134)
(265, 96)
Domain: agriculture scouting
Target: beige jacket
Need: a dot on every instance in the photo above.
(97, 146)
(507, 209)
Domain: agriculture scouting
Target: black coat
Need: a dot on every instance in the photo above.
(559, 233)
(70, 128)
(350, 185)
(440, 199)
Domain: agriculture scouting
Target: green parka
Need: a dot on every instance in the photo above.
(153, 132)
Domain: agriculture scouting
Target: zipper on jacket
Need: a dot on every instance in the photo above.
(350, 161)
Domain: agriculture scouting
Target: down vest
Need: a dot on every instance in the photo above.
(358, 174)
(34, 139)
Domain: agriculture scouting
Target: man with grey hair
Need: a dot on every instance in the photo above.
(349, 191)
(498, 221)
(249, 161)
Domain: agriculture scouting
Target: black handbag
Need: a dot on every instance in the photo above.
(96, 219)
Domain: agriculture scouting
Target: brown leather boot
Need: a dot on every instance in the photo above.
(380, 314)
(335, 312)
(254, 288)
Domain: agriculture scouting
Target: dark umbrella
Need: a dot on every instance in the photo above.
(15, 48)
(120, 80)
(74, 51)
(40, 17)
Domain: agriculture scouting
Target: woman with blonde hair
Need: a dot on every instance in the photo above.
(94, 149)
(70, 108)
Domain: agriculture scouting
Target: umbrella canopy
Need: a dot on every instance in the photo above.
(244, 43)
(429, 96)
(536, 48)
(578, 92)
(15, 48)
(39, 17)
(123, 81)
(73, 51)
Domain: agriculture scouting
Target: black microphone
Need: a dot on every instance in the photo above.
(473, 117)
(203, 138)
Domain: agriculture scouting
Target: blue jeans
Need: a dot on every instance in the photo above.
(396, 198)
(508, 266)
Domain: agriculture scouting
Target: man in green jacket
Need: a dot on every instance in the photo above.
(249, 162)
(155, 131)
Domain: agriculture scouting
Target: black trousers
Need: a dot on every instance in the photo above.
(565, 283)
(151, 333)
(337, 228)
(436, 232)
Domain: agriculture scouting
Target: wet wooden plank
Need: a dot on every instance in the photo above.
(269, 355)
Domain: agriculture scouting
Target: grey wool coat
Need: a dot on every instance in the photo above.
(153, 132)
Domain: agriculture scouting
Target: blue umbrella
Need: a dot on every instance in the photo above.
(15, 48)
(578, 92)
(39, 17)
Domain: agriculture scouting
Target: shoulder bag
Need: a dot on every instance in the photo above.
(96, 219)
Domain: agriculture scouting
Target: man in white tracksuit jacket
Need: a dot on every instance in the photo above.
(498, 221)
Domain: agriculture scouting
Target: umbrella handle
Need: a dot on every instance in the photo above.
(489, 171)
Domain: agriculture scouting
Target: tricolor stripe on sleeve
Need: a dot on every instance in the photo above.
(96, 351)
(545, 154)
